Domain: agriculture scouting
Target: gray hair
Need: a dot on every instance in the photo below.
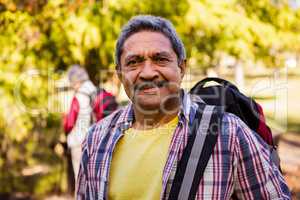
(77, 74)
(151, 23)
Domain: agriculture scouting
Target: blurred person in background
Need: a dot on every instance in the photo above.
(79, 117)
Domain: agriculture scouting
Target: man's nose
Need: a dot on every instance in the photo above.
(148, 71)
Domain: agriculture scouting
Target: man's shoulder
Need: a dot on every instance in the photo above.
(232, 127)
(237, 129)
(101, 128)
(232, 119)
(111, 118)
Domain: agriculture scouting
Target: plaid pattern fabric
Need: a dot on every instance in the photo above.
(240, 164)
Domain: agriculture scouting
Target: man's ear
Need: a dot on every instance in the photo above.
(182, 67)
(119, 73)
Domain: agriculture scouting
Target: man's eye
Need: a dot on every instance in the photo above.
(162, 59)
(131, 62)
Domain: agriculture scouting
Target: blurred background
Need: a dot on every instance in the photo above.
(253, 43)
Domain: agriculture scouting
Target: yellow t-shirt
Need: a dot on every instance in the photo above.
(138, 162)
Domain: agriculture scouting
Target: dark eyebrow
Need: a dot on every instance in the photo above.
(162, 53)
(130, 57)
(155, 55)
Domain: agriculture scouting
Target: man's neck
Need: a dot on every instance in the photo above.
(152, 119)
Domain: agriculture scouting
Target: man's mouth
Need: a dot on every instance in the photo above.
(149, 87)
(149, 90)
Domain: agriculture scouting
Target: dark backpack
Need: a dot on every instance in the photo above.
(228, 96)
(218, 99)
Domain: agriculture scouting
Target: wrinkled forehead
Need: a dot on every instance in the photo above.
(147, 43)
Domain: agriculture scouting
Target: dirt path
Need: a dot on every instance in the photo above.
(289, 152)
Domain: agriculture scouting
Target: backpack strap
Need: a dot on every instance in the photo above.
(204, 129)
(220, 81)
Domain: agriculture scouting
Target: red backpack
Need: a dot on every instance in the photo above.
(70, 118)
(102, 102)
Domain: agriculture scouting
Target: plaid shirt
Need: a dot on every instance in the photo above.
(240, 164)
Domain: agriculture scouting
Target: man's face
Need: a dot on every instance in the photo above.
(149, 70)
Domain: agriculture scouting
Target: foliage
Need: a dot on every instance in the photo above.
(40, 39)
(246, 30)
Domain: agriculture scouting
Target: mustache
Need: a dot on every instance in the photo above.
(150, 84)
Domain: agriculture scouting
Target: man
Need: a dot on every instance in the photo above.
(133, 153)
(79, 117)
